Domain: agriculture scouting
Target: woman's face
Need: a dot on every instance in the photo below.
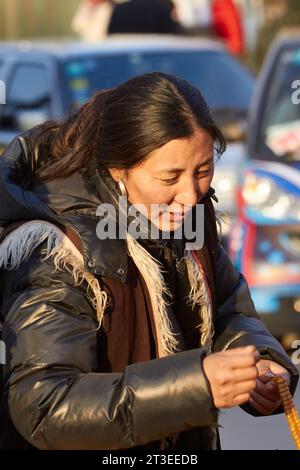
(176, 175)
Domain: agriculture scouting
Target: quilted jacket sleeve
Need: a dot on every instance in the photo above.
(238, 324)
(55, 395)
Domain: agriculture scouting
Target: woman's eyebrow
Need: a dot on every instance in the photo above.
(172, 170)
(207, 161)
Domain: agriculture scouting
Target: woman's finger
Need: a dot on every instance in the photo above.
(244, 387)
(267, 369)
(268, 390)
(264, 402)
(258, 407)
(244, 374)
(238, 361)
(241, 399)
(240, 350)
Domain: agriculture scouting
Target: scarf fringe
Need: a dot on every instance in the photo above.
(151, 270)
(19, 245)
(200, 295)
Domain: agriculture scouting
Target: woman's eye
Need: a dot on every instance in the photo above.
(199, 174)
(203, 173)
(170, 180)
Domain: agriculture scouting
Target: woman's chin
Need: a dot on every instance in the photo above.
(171, 226)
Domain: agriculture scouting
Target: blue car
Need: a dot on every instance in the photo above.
(265, 243)
(49, 80)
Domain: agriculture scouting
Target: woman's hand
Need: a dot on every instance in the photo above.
(265, 398)
(232, 375)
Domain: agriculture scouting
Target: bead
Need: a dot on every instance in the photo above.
(289, 409)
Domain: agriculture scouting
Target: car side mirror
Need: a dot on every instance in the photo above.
(29, 118)
(37, 102)
(23, 115)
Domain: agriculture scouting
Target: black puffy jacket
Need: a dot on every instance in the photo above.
(68, 384)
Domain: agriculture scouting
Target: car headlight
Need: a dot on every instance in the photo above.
(265, 198)
(224, 182)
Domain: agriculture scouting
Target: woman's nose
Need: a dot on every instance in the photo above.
(189, 194)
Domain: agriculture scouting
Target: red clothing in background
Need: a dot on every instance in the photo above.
(227, 23)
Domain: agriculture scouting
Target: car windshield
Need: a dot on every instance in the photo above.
(280, 132)
(225, 84)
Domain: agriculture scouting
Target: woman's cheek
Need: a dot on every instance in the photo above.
(205, 184)
(161, 194)
(166, 195)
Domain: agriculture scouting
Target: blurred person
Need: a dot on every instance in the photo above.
(252, 18)
(144, 16)
(124, 342)
(194, 16)
(227, 24)
(92, 19)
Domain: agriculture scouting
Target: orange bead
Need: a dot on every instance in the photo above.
(289, 409)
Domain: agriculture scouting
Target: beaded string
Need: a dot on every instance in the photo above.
(289, 408)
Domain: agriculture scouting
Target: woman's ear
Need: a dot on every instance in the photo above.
(117, 174)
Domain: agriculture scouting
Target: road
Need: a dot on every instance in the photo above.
(241, 431)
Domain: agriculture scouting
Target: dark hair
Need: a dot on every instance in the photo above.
(120, 126)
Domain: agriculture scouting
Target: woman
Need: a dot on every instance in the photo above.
(124, 342)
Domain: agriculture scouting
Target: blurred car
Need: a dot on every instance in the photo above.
(265, 243)
(47, 80)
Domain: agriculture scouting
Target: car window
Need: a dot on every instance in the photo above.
(280, 130)
(2, 85)
(1, 69)
(224, 83)
(28, 85)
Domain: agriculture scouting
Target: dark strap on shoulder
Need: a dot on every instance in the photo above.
(74, 237)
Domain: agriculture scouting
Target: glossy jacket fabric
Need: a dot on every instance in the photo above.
(68, 384)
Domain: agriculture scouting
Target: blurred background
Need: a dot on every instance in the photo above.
(244, 56)
(261, 20)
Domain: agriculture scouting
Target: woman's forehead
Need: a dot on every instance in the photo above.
(177, 154)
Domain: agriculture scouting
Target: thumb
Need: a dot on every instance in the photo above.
(269, 369)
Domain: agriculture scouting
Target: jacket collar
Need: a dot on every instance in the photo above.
(108, 257)
(75, 200)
